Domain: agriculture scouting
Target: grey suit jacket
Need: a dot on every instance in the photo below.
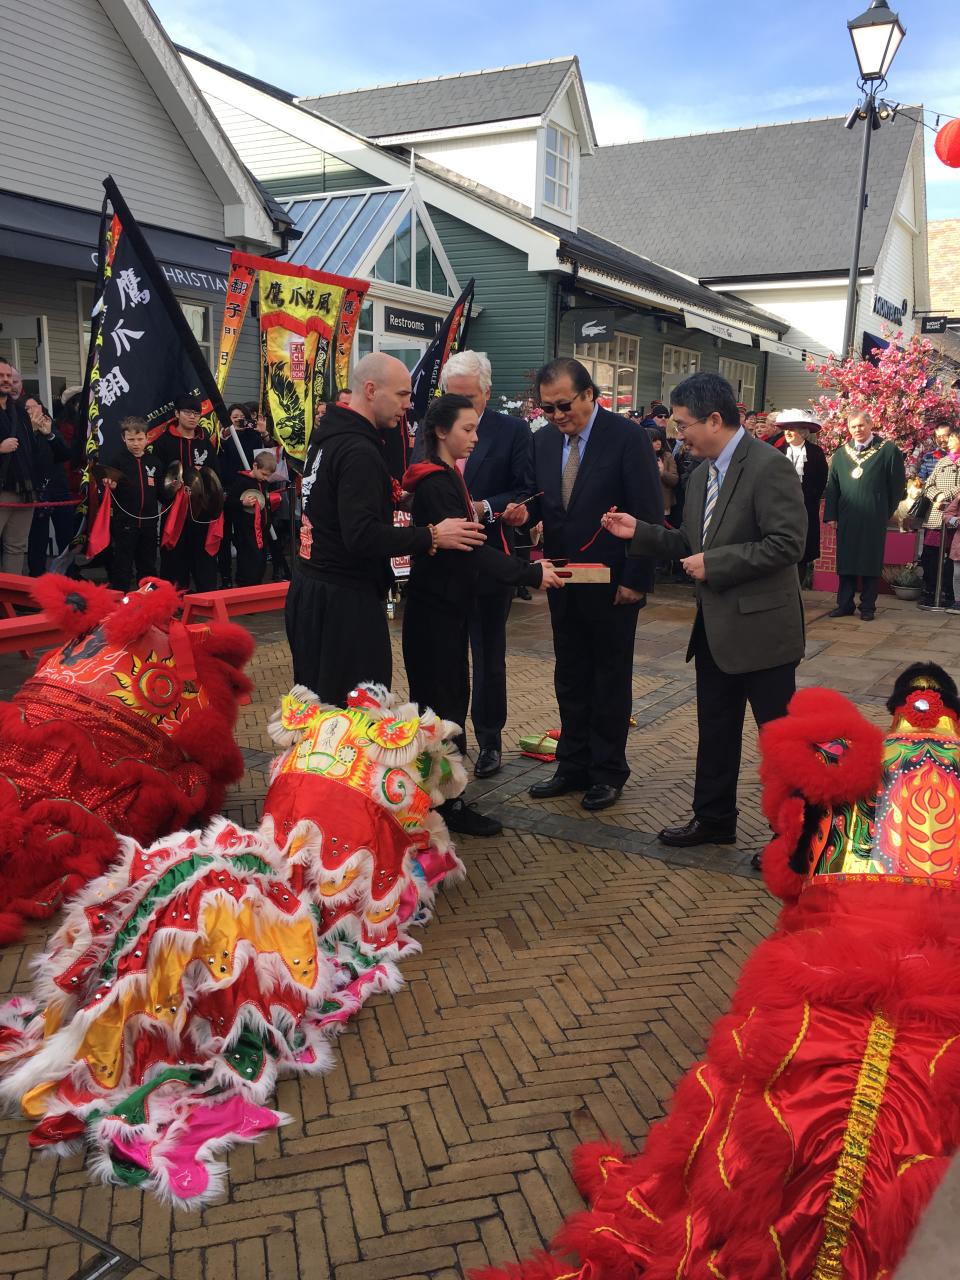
(750, 601)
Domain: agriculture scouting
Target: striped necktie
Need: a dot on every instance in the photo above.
(713, 492)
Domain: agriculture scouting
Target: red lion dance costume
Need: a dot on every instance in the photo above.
(125, 730)
(808, 1141)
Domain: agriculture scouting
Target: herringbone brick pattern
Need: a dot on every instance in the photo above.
(562, 989)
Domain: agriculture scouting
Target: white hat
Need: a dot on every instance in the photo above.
(68, 393)
(797, 418)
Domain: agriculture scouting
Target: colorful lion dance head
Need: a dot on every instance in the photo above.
(125, 730)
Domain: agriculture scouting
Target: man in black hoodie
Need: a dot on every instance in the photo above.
(336, 624)
(20, 477)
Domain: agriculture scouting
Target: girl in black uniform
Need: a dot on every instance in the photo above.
(442, 586)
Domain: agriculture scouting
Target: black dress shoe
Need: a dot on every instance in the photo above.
(488, 763)
(867, 616)
(840, 613)
(523, 593)
(697, 832)
(559, 785)
(467, 821)
(600, 796)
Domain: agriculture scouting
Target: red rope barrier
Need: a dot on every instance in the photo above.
(66, 502)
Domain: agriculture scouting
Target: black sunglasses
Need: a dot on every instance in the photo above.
(561, 406)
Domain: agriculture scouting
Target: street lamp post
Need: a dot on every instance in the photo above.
(876, 35)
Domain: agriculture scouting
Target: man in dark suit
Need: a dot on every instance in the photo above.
(586, 461)
(497, 473)
(743, 533)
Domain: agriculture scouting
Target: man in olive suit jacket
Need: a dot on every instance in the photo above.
(744, 529)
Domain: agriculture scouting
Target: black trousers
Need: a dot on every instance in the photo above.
(488, 649)
(251, 559)
(593, 677)
(225, 554)
(435, 654)
(338, 637)
(929, 557)
(721, 706)
(847, 590)
(133, 550)
(188, 562)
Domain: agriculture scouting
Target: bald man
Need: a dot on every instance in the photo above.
(336, 623)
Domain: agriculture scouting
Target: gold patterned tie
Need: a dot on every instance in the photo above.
(569, 477)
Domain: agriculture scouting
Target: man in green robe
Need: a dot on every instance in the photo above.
(865, 484)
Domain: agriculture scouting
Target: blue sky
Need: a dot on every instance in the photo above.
(653, 68)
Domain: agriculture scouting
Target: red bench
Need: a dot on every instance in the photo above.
(221, 606)
(36, 629)
(16, 592)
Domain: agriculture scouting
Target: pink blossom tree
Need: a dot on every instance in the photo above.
(905, 391)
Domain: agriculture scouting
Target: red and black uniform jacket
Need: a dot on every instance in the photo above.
(173, 447)
(450, 577)
(137, 495)
(260, 518)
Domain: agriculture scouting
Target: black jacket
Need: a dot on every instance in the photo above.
(173, 447)
(618, 470)
(347, 534)
(500, 469)
(814, 481)
(450, 578)
(252, 443)
(137, 496)
(21, 470)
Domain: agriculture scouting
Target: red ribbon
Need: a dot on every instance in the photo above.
(99, 538)
(211, 543)
(176, 519)
(258, 525)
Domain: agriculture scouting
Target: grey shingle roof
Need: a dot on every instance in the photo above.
(475, 97)
(773, 200)
(590, 250)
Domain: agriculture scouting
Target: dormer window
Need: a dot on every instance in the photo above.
(558, 162)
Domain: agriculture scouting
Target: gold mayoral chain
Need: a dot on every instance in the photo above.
(860, 458)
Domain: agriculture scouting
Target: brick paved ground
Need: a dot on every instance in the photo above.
(563, 988)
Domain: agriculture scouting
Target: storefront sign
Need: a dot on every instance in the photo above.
(782, 349)
(933, 324)
(592, 326)
(717, 327)
(889, 310)
(185, 277)
(412, 324)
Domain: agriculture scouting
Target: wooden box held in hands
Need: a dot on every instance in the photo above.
(580, 574)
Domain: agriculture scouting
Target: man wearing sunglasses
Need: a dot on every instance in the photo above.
(586, 461)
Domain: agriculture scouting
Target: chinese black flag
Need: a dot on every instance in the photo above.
(425, 378)
(142, 351)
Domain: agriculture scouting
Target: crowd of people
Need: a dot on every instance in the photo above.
(232, 520)
(481, 490)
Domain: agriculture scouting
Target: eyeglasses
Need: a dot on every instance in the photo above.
(561, 406)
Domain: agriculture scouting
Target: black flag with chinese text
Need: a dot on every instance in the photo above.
(143, 353)
(452, 336)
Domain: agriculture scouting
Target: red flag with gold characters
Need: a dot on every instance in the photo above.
(240, 284)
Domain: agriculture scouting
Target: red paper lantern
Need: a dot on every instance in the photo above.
(947, 144)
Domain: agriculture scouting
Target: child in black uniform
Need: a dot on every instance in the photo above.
(133, 517)
(443, 584)
(251, 518)
(184, 443)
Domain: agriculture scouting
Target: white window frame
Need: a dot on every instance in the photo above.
(744, 389)
(623, 352)
(670, 377)
(561, 159)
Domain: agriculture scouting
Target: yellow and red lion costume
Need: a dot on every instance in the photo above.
(807, 1142)
(125, 730)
